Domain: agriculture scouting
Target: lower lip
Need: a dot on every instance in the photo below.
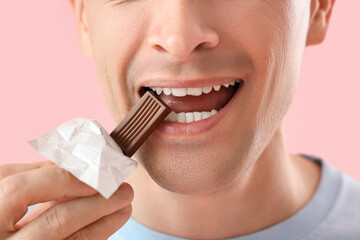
(198, 127)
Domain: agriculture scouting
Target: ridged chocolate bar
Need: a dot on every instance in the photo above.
(141, 121)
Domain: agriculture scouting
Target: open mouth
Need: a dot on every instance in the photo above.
(195, 104)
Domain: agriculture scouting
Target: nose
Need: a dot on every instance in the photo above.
(180, 30)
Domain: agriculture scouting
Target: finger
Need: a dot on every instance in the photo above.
(105, 227)
(21, 190)
(10, 169)
(35, 213)
(40, 208)
(65, 219)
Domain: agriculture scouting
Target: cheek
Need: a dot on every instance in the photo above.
(273, 34)
(267, 30)
(116, 34)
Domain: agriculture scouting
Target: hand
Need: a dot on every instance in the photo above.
(69, 209)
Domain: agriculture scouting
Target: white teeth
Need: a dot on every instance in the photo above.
(171, 117)
(206, 90)
(182, 92)
(213, 112)
(217, 88)
(167, 91)
(189, 117)
(179, 92)
(197, 116)
(194, 91)
(206, 115)
(180, 117)
(158, 91)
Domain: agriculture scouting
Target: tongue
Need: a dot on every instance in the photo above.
(205, 102)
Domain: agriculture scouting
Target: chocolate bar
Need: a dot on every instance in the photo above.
(141, 121)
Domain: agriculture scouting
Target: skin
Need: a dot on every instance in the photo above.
(65, 203)
(238, 173)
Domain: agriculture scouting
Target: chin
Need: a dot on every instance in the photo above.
(192, 172)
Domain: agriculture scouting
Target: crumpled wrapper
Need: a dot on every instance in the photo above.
(84, 148)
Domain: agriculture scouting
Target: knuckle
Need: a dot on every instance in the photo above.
(4, 171)
(47, 163)
(99, 201)
(57, 219)
(10, 186)
(63, 175)
(106, 225)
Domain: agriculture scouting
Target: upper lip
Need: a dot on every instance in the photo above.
(185, 83)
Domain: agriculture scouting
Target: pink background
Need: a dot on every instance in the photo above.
(45, 81)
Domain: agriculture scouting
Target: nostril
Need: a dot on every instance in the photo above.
(158, 47)
(200, 46)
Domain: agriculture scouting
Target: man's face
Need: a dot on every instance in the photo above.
(139, 45)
